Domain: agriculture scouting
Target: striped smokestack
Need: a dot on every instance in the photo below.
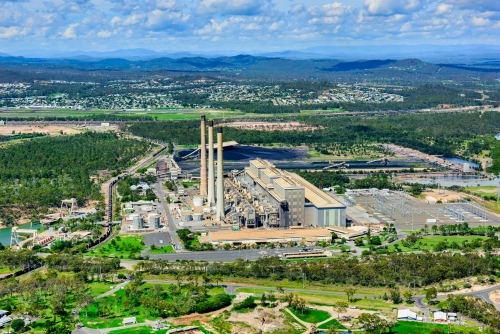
(211, 172)
(203, 170)
(220, 177)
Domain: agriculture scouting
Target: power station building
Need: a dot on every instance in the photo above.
(263, 195)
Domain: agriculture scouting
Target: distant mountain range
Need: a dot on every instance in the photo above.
(434, 53)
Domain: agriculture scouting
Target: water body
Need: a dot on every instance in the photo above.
(5, 232)
(461, 161)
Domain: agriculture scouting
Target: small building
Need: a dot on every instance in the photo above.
(440, 316)
(105, 125)
(406, 315)
(2, 122)
(129, 321)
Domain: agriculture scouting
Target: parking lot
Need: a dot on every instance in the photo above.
(158, 239)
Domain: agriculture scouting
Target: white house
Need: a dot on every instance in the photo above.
(407, 315)
(440, 316)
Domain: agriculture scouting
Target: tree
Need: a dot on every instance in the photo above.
(434, 229)
(350, 293)
(408, 294)
(263, 299)
(358, 242)
(395, 296)
(430, 294)
(372, 323)
(437, 330)
(340, 307)
(17, 325)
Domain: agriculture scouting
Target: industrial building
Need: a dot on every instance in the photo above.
(263, 195)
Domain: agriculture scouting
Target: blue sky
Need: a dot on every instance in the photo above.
(242, 25)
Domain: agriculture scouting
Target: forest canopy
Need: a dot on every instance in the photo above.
(37, 174)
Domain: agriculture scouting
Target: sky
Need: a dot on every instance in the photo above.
(242, 25)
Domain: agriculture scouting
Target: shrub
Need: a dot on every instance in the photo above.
(249, 302)
(214, 303)
(17, 325)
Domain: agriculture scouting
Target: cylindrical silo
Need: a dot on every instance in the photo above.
(203, 162)
(220, 176)
(198, 201)
(211, 172)
(137, 222)
(154, 220)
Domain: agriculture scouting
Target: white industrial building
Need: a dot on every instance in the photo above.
(263, 195)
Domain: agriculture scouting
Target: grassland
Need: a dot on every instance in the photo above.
(311, 316)
(428, 242)
(160, 113)
(162, 250)
(406, 327)
(323, 299)
(123, 247)
(332, 323)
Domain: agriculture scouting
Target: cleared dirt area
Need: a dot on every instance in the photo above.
(49, 129)
(439, 195)
(273, 319)
(268, 126)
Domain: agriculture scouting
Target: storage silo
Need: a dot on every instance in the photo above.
(137, 222)
(198, 201)
(154, 220)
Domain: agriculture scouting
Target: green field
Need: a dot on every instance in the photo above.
(332, 323)
(160, 113)
(162, 250)
(429, 241)
(98, 288)
(408, 327)
(311, 316)
(123, 247)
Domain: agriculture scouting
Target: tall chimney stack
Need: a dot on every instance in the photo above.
(211, 172)
(203, 170)
(220, 177)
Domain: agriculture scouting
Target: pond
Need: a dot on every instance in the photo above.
(5, 232)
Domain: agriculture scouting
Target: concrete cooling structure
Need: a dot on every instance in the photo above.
(263, 195)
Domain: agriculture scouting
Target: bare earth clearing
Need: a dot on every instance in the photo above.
(268, 126)
(49, 129)
(448, 196)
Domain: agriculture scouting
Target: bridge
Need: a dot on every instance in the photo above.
(196, 152)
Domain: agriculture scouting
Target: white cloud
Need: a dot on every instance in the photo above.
(10, 32)
(480, 21)
(104, 34)
(443, 8)
(70, 33)
(389, 7)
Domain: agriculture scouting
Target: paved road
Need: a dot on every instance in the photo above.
(483, 294)
(158, 189)
(223, 255)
